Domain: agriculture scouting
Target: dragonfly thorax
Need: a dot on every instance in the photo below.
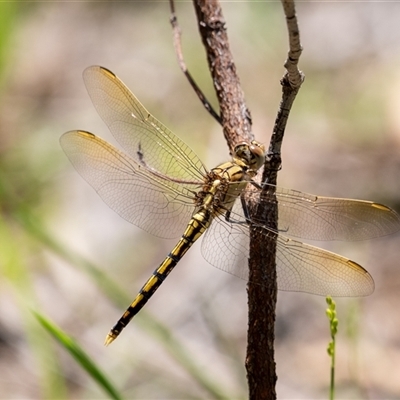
(249, 156)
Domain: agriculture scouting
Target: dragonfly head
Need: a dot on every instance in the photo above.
(250, 155)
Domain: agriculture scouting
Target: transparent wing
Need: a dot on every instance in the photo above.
(305, 268)
(313, 217)
(225, 245)
(300, 267)
(145, 139)
(151, 202)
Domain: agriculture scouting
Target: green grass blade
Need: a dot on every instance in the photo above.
(79, 355)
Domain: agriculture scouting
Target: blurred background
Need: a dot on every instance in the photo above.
(64, 253)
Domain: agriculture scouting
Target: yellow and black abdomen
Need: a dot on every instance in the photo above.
(198, 224)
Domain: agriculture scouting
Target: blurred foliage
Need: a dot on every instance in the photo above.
(8, 16)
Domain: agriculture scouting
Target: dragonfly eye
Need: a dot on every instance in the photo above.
(252, 155)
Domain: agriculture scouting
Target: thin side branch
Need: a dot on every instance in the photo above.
(178, 50)
(291, 83)
(295, 77)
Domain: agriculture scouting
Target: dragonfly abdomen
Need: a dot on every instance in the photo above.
(195, 228)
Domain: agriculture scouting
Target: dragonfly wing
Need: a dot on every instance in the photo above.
(300, 267)
(305, 268)
(146, 139)
(159, 206)
(225, 244)
(313, 217)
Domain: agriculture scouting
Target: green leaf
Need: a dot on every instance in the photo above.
(79, 355)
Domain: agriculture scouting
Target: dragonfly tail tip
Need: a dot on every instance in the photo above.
(109, 339)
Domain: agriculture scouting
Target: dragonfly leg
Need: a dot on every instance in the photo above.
(245, 211)
(255, 184)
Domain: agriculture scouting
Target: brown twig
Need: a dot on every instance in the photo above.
(235, 117)
(182, 65)
(236, 122)
(262, 296)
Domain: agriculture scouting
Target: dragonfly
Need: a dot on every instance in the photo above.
(160, 185)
